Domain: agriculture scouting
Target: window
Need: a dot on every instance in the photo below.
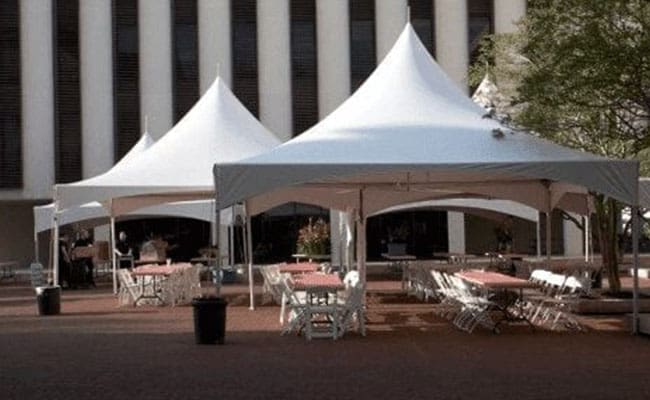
(304, 65)
(481, 23)
(126, 76)
(186, 76)
(10, 99)
(363, 57)
(423, 22)
(244, 53)
(66, 90)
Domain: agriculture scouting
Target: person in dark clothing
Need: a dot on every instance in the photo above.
(87, 262)
(65, 263)
(123, 249)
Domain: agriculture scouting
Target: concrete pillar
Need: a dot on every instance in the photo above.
(96, 82)
(155, 39)
(452, 52)
(274, 66)
(37, 81)
(390, 17)
(456, 232)
(573, 238)
(214, 42)
(333, 38)
(507, 13)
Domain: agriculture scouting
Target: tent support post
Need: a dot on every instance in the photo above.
(112, 255)
(36, 250)
(249, 251)
(538, 239)
(585, 225)
(549, 249)
(55, 247)
(635, 251)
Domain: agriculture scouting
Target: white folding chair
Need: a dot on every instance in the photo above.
(129, 288)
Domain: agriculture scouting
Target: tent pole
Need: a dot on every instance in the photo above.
(112, 255)
(538, 239)
(55, 247)
(585, 225)
(36, 250)
(249, 252)
(635, 251)
(548, 239)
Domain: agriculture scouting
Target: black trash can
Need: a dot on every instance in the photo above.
(209, 319)
(49, 300)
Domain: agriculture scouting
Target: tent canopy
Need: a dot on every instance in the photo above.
(178, 166)
(97, 214)
(492, 209)
(409, 129)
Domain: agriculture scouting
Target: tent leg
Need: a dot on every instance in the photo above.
(249, 251)
(549, 248)
(585, 225)
(112, 255)
(635, 251)
(55, 247)
(37, 256)
(538, 239)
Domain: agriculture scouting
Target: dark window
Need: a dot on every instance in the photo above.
(363, 57)
(126, 75)
(304, 68)
(186, 74)
(10, 106)
(423, 22)
(67, 95)
(481, 23)
(244, 53)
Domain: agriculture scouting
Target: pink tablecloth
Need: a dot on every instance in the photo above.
(298, 268)
(159, 270)
(318, 281)
(495, 280)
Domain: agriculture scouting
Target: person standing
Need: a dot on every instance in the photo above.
(123, 249)
(87, 262)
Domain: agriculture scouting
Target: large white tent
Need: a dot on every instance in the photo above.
(177, 167)
(410, 133)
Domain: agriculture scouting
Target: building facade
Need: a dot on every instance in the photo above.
(79, 78)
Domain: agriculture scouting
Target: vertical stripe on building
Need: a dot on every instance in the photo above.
(422, 19)
(362, 41)
(67, 94)
(480, 20)
(126, 75)
(244, 53)
(10, 99)
(186, 71)
(304, 65)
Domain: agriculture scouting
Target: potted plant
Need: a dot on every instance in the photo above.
(397, 237)
(313, 238)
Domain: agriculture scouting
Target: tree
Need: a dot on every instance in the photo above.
(578, 73)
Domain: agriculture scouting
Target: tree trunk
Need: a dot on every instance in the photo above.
(607, 211)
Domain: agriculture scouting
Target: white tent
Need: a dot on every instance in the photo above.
(177, 167)
(95, 213)
(409, 132)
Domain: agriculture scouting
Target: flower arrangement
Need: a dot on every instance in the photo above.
(313, 238)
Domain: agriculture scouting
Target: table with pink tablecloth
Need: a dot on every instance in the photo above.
(299, 268)
(494, 280)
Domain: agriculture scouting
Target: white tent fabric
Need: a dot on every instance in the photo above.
(199, 209)
(410, 128)
(44, 215)
(504, 207)
(178, 166)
